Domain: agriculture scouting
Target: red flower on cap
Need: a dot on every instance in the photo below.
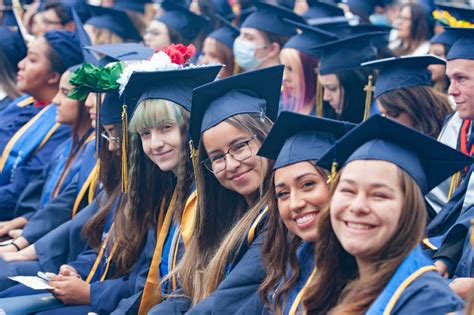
(179, 53)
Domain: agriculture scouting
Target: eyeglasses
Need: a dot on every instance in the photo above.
(239, 152)
(109, 138)
(47, 21)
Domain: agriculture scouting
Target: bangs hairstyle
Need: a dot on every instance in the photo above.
(337, 288)
(148, 185)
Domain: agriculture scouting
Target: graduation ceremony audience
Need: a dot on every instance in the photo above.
(236, 157)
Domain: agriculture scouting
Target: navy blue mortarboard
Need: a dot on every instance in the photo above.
(320, 11)
(362, 6)
(426, 160)
(463, 47)
(121, 52)
(296, 138)
(458, 11)
(250, 92)
(269, 18)
(132, 5)
(310, 39)
(116, 21)
(225, 34)
(111, 109)
(182, 20)
(445, 38)
(222, 7)
(402, 72)
(66, 45)
(84, 39)
(172, 85)
(334, 54)
(12, 45)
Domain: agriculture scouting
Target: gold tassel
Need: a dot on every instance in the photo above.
(454, 184)
(369, 89)
(332, 176)
(319, 95)
(124, 148)
(472, 232)
(194, 156)
(236, 68)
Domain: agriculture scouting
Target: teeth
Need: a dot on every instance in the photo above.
(305, 218)
(359, 226)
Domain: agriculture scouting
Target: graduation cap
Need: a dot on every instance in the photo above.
(225, 34)
(250, 92)
(13, 45)
(463, 47)
(116, 21)
(80, 6)
(121, 52)
(295, 138)
(132, 5)
(426, 160)
(310, 39)
(67, 45)
(322, 11)
(445, 38)
(269, 18)
(182, 20)
(111, 109)
(458, 11)
(348, 53)
(401, 72)
(84, 39)
(172, 85)
(222, 7)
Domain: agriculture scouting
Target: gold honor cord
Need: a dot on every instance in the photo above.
(472, 232)
(299, 297)
(251, 234)
(152, 291)
(87, 185)
(369, 90)
(236, 69)
(428, 244)
(124, 148)
(455, 179)
(99, 258)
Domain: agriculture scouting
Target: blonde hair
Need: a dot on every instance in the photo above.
(290, 58)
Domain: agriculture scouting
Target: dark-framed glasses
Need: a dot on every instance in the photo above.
(239, 152)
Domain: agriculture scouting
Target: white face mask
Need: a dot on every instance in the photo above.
(244, 53)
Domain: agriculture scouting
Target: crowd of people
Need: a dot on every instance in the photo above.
(236, 157)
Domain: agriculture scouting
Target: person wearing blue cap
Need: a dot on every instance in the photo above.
(230, 118)
(323, 11)
(369, 259)
(346, 85)
(301, 62)
(298, 192)
(24, 155)
(176, 25)
(403, 93)
(439, 46)
(217, 48)
(262, 36)
(12, 50)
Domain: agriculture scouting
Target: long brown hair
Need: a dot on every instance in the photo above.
(8, 74)
(426, 107)
(148, 185)
(279, 253)
(222, 219)
(336, 288)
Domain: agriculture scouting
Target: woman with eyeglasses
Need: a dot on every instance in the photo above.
(221, 266)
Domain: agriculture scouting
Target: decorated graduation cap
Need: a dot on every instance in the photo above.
(255, 92)
(13, 45)
(269, 18)
(310, 39)
(426, 160)
(116, 21)
(121, 52)
(320, 11)
(334, 55)
(182, 20)
(402, 72)
(225, 34)
(67, 45)
(455, 15)
(463, 47)
(296, 138)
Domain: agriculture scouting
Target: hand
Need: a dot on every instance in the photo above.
(16, 233)
(8, 249)
(7, 226)
(70, 290)
(66, 270)
(16, 256)
(442, 268)
(463, 287)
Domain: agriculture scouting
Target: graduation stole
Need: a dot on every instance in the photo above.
(26, 141)
(414, 265)
(88, 176)
(152, 291)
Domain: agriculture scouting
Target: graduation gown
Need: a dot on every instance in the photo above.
(25, 150)
(416, 288)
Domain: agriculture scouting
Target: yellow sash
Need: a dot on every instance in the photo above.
(88, 184)
(297, 301)
(99, 258)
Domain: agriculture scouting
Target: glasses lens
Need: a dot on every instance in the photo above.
(241, 151)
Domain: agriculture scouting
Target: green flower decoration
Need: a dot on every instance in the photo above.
(90, 78)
